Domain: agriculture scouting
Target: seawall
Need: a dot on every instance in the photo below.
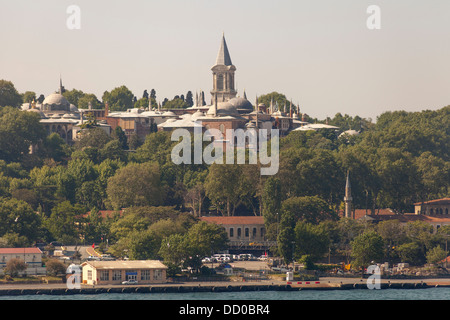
(204, 288)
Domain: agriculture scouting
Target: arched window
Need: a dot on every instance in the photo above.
(222, 128)
(220, 82)
(231, 232)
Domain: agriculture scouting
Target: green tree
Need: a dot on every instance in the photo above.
(311, 240)
(18, 217)
(9, 95)
(29, 96)
(366, 248)
(14, 266)
(62, 222)
(271, 205)
(436, 255)
(143, 186)
(18, 131)
(119, 99)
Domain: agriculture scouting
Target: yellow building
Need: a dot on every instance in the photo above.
(116, 272)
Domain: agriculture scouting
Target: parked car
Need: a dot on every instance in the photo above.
(93, 258)
(130, 282)
(107, 257)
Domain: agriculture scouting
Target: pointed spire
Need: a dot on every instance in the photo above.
(60, 85)
(348, 197)
(347, 183)
(223, 57)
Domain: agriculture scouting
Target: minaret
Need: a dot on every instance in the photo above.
(61, 88)
(223, 74)
(348, 197)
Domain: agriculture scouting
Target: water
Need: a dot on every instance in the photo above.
(387, 294)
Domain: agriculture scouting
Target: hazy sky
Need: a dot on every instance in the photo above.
(319, 53)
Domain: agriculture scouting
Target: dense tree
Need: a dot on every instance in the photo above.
(29, 97)
(18, 217)
(366, 248)
(9, 95)
(119, 99)
(143, 186)
(18, 131)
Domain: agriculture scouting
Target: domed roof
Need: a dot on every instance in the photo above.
(241, 103)
(224, 109)
(41, 114)
(57, 100)
(349, 133)
(169, 114)
(196, 115)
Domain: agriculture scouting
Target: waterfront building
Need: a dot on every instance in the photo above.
(31, 256)
(115, 272)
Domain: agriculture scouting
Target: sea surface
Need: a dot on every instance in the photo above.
(355, 294)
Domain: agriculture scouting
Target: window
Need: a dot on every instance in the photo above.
(89, 274)
(145, 274)
(231, 232)
(246, 232)
(239, 232)
(222, 128)
(157, 275)
(220, 82)
(117, 275)
(104, 275)
(254, 232)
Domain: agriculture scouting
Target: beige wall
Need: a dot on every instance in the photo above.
(92, 275)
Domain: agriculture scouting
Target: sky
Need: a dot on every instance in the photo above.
(319, 53)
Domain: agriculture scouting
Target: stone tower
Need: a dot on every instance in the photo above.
(348, 197)
(223, 75)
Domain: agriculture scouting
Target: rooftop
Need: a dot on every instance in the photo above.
(130, 264)
(20, 250)
(234, 220)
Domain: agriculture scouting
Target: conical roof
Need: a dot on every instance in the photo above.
(223, 57)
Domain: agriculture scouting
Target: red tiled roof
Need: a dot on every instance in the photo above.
(234, 220)
(106, 213)
(20, 250)
(437, 201)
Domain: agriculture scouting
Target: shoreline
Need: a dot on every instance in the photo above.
(234, 286)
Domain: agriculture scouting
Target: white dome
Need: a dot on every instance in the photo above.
(349, 133)
(56, 99)
(224, 109)
(39, 112)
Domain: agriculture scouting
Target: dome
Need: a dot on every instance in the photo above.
(169, 114)
(241, 103)
(39, 112)
(73, 108)
(197, 115)
(349, 133)
(57, 101)
(224, 109)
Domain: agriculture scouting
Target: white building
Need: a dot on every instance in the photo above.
(31, 256)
